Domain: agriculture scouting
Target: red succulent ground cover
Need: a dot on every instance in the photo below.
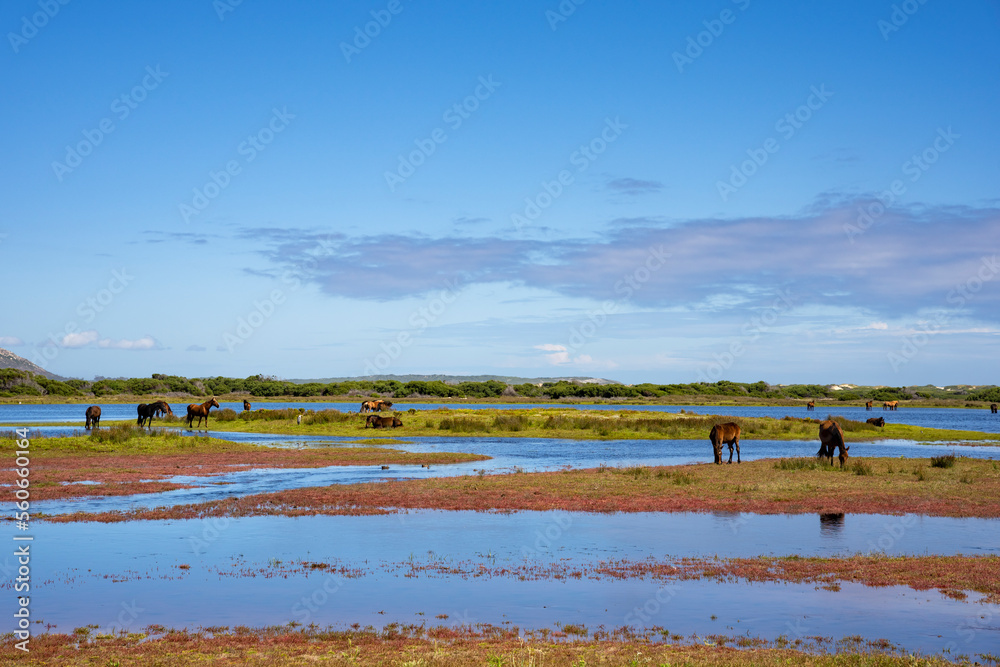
(456, 645)
(114, 474)
(971, 488)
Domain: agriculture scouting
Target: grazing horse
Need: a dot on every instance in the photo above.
(993, 408)
(381, 405)
(161, 408)
(877, 422)
(811, 405)
(890, 405)
(376, 421)
(868, 405)
(728, 434)
(93, 415)
(201, 411)
(831, 437)
(246, 405)
(368, 406)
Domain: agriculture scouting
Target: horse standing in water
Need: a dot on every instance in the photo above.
(201, 411)
(246, 405)
(93, 415)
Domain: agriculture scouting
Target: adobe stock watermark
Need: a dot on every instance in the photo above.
(88, 310)
(696, 44)
(30, 25)
(454, 116)
(914, 168)
(891, 535)
(265, 307)
(562, 12)
(626, 287)
(787, 126)
(248, 150)
(312, 603)
(899, 16)
(121, 107)
(420, 320)
(557, 524)
(641, 616)
(749, 333)
(960, 295)
(363, 35)
(223, 7)
(580, 159)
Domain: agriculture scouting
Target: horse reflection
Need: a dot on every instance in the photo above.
(831, 522)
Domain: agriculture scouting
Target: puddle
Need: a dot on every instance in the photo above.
(127, 576)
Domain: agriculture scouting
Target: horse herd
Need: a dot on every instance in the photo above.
(831, 437)
(146, 412)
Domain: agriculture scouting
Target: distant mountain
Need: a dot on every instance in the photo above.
(10, 360)
(456, 379)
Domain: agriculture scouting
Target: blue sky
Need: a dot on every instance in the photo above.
(642, 191)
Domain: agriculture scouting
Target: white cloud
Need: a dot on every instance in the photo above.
(144, 343)
(10, 341)
(80, 339)
(559, 353)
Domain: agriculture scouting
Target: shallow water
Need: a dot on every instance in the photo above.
(946, 418)
(248, 572)
(508, 455)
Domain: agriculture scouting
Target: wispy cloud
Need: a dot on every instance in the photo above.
(81, 339)
(10, 341)
(196, 348)
(634, 186)
(911, 259)
(144, 343)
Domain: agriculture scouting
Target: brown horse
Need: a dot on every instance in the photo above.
(877, 422)
(201, 411)
(368, 406)
(93, 415)
(811, 405)
(383, 422)
(381, 405)
(868, 405)
(147, 412)
(993, 408)
(831, 437)
(728, 434)
(890, 405)
(246, 405)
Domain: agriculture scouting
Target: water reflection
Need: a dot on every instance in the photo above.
(831, 523)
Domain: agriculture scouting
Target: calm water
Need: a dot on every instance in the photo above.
(248, 572)
(508, 455)
(949, 418)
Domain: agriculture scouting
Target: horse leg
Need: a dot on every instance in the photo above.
(737, 452)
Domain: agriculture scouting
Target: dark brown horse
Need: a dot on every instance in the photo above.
(868, 405)
(381, 405)
(831, 437)
(147, 412)
(93, 415)
(811, 405)
(376, 421)
(728, 434)
(880, 422)
(201, 411)
(993, 408)
(246, 405)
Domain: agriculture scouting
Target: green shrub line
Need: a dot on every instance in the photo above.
(17, 383)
